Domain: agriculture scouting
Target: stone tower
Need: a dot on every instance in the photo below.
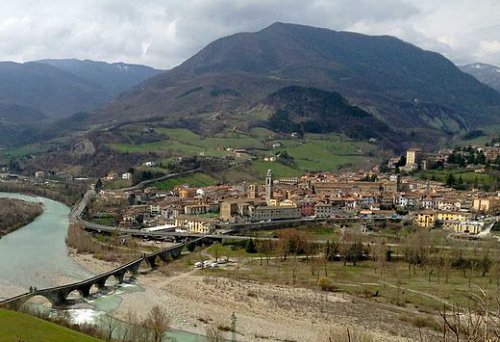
(269, 186)
(252, 191)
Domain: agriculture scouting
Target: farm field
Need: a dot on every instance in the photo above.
(313, 152)
(195, 180)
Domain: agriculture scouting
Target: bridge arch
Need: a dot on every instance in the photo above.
(111, 281)
(94, 289)
(76, 294)
(130, 274)
(37, 300)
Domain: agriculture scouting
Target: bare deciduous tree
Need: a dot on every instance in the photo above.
(479, 322)
(157, 324)
(108, 326)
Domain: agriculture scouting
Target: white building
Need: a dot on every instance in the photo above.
(127, 176)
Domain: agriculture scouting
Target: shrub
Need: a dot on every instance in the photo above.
(326, 284)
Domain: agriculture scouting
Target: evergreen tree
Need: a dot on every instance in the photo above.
(476, 182)
(250, 247)
(460, 161)
(451, 159)
(480, 158)
(98, 185)
(497, 160)
(450, 180)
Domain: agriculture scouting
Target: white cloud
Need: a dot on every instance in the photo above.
(163, 33)
(490, 46)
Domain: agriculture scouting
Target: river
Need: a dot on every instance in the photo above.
(37, 255)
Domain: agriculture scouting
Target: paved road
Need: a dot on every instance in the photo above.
(98, 228)
(150, 181)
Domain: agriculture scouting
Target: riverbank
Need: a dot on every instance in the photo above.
(37, 255)
(15, 214)
(197, 300)
(68, 194)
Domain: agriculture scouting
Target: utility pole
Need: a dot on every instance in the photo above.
(233, 327)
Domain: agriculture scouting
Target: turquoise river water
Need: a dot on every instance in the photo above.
(37, 255)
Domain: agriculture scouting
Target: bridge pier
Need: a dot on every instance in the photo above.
(176, 253)
(151, 260)
(119, 276)
(85, 290)
(134, 269)
(165, 257)
(101, 283)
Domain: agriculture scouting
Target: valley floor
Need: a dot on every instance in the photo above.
(196, 300)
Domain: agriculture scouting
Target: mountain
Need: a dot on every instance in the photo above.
(44, 88)
(408, 88)
(36, 93)
(113, 78)
(60, 88)
(19, 123)
(485, 73)
(312, 110)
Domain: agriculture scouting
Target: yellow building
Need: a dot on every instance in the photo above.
(467, 227)
(425, 219)
(195, 224)
(445, 216)
(428, 219)
(486, 205)
(413, 157)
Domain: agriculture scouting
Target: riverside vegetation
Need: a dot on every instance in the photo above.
(17, 213)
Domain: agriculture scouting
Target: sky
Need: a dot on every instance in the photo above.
(164, 33)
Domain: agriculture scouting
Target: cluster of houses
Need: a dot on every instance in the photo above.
(318, 195)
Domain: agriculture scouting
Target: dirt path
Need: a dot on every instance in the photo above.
(417, 292)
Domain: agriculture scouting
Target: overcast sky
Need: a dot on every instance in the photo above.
(163, 33)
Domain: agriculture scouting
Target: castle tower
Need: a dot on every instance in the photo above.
(269, 186)
(252, 191)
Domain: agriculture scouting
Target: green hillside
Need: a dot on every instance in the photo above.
(311, 152)
(16, 326)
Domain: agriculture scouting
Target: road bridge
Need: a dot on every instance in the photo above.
(228, 228)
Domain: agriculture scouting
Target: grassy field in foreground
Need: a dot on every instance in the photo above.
(16, 326)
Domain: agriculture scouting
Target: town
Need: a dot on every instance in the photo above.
(394, 195)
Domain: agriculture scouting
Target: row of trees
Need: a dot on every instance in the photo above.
(420, 250)
(470, 158)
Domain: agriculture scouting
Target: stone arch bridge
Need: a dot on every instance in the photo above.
(58, 295)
